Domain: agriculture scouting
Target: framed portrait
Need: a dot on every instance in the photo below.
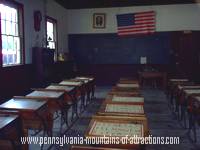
(99, 20)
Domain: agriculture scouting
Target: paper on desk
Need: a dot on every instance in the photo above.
(127, 99)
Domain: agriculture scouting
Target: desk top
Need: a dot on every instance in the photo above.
(6, 120)
(23, 104)
(81, 80)
(117, 126)
(188, 87)
(46, 94)
(124, 93)
(128, 85)
(178, 80)
(61, 87)
(192, 91)
(70, 83)
(123, 108)
(197, 98)
(116, 98)
(85, 78)
(108, 128)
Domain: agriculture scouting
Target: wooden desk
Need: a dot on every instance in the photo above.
(80, 147)
(128, 81)
(55, 99)
(172, 86)
(128, 85)
(153, 75)
(92, 80)
(90, 86)
(124, 93)
(183, 102)
(10, 130)
(81, 90)
(125, 99)
(34, 114)
(118, 126)
(121, 109)
(194, 113)
(69, 97)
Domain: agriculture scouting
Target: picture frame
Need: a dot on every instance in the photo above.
(99, 20)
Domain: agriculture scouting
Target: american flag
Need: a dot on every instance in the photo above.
(136, 23)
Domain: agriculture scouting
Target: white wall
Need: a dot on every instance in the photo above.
(168, 18)
(59, 13)
(32, 38)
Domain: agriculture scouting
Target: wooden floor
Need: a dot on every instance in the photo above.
(162, 121)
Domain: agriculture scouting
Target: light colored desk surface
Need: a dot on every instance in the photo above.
(85, 78)
(117, 126)
(188, 87)
(6, 120)
(192, 91)
(116, 98)
(127, 85)
(71, 83)
(46, 94)
(61, 87)
(122, 108)
(178, 80)
(23, 104)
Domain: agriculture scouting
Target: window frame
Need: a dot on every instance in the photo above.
(20, 10)
(54, 21)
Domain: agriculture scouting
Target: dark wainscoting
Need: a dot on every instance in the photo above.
(15, 80)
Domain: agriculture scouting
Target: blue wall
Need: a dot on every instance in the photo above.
(112, 49)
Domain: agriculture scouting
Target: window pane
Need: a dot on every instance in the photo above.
(10, 43)
(14, 13)
(16, 43)
(3, 26)
(2, 10)
(49, 27)
(8, 28)
(8, 11)
(4, 43)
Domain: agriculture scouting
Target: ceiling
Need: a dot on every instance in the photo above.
(78, 4)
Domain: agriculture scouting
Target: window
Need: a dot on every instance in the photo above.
(51, 33)
(11, 34)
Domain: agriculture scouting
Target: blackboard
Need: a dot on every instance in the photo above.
(112, 49)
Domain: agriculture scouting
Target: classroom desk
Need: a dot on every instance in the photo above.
(80, 147)
(92, 81)
(10, 130)
(124, 93)
(69, 97)
(55, 100)
(121, 109)
(128, 81)
(194, 114)
(153, 75)
(81, 90)
(125, 99)
(128, 85)
(183, 101)
(118, 126)
(34, 114)
(90, 87)
(179, 90)
(172, 85)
